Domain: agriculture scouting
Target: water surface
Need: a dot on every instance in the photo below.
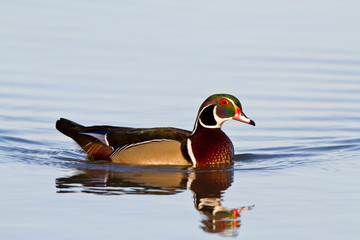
(294, 66)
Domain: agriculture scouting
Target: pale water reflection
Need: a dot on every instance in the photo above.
(208, 186)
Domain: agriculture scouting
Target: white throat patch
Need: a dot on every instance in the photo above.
(219, 121)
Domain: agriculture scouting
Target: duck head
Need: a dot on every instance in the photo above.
(219, 108)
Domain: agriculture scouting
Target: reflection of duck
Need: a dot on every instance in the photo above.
(208, 188)
(105, 182)
(207, 185)
(206, 145)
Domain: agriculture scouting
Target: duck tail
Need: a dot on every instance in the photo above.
(95, 148)
(69, 128)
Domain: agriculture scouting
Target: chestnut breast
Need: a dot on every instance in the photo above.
(212, 146)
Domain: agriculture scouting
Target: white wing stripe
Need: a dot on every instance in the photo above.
(127, 146)
(99, 136)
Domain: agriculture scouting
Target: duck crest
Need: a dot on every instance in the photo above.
(211, 146)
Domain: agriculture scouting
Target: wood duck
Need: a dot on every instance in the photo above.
(206, 145)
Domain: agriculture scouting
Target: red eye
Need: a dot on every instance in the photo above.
(224, 102)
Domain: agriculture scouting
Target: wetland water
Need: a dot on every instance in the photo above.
(294, 66)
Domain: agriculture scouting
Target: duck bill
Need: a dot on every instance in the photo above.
(240, 116)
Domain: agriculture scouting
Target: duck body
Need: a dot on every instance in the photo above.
(206, 145)
(136, 146)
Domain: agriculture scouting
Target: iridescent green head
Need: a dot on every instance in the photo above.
(219, 108)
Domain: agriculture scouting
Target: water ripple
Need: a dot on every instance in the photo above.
(312, 151)
(19, 140)
(283, 157)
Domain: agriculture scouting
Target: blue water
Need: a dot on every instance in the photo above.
(295, 66)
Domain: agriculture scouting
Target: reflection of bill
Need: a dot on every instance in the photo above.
(207, 185)
(208, 188)
(218, 219)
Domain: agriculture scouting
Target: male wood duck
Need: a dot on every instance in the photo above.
(206, 145)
